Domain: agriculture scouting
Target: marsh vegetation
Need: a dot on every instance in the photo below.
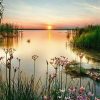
(88, 38)
(8, 30)
(18, 87)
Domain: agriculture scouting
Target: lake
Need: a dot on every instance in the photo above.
(46, 44)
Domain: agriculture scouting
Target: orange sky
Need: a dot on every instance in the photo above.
(58, 13)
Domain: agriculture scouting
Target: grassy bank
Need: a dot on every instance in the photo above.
(8, 30)
(88, 38)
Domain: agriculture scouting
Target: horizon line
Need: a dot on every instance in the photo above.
(46, 29)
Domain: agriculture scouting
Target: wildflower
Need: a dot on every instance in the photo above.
(97, 98)
(67, 98)
(45, 98)
(81, 90)
(72, 90)
(81, 97)
(90, 94)
(59, 97)
(53, 76)
(62, 90)
(34, 57)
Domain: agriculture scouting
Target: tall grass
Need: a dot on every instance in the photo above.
(22, 88)
(8, 29)
(88, 37)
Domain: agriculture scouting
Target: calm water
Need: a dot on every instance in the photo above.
(45, 44)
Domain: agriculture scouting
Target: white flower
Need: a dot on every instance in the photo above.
(45, 97)
(67, 98)
(59, 97)
(90, 94)
(96, 98)
(63, 90)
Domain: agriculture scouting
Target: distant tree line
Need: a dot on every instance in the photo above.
(88, 37)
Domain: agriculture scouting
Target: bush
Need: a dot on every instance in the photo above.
(88, 38)
(8, 29)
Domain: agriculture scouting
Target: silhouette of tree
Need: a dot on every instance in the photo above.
(1, 10)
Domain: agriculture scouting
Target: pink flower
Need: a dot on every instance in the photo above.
(96, 98)
(82, 88)
(72, 90)
(45, 98)
(81, 98)
(90, 94)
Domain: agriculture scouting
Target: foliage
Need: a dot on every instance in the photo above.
(23, 88)
(88, 38)
(8, 29)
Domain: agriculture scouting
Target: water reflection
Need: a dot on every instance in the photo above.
(46, 44)
(49, 35)
(11, 42)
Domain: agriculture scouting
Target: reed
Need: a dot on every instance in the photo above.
(23, 88)
(88, 38)
(8, 30)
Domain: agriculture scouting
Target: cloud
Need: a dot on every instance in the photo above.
(91, 6)
(61, 11)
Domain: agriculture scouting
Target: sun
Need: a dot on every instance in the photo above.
(49, 27)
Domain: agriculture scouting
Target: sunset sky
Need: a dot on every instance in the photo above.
(58, 13)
